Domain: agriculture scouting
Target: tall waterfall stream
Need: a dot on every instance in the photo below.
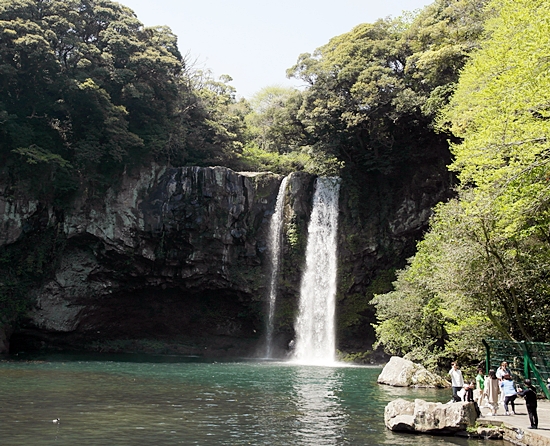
(315, 325)
(274, 245)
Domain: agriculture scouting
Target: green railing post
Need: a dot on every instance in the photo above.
(526, 357)
(539, 377)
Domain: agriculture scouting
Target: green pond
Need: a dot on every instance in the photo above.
(133, 400)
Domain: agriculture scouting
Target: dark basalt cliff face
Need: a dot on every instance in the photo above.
(174, 260)
(171, 258)
(382, 218)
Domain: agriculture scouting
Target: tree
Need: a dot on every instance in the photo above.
(85, 81)
(373, 92)
(86, 90)
(500, 110)
(273, 119)
(486, 257)
(352, 81)
(216, 136)
(440, 40)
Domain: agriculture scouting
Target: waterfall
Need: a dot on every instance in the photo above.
(315, 325)
(274, 245)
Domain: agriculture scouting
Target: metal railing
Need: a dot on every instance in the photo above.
(525, 360)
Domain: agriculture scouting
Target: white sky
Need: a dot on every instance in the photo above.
(255, 41)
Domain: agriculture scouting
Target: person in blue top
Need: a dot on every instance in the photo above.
(501, 371)
(509, 391)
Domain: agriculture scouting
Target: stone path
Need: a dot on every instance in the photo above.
(519, 424)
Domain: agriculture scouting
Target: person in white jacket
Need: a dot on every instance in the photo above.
(457, 381)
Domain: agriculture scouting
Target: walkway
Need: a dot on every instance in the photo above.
(517, 425)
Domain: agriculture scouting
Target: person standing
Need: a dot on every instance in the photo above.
(457, 381)
(501, 371)
(492, 391)
(530, 395)
(480, 381)
(469, 396)
(509, 392)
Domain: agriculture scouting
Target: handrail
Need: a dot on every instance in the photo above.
(528, 358)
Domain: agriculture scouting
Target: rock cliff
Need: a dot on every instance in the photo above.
(382, 218)
(169, 254)
(173, 259)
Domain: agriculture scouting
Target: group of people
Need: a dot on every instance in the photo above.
(494, 388)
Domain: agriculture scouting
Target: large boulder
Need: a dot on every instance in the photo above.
(425, 417)
(401, 372)
(438, 417)
(399, 415)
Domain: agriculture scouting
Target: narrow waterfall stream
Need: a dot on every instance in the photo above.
(315, 324)
(274, 246)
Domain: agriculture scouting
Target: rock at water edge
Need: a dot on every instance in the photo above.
(400, 372)
(425, 417)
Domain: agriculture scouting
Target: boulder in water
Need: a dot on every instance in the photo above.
(401, 372)
(425, 417)
(399, 415)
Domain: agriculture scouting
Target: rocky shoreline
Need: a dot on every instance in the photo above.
(452, 419)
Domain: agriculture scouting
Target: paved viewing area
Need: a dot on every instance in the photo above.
(519, 424)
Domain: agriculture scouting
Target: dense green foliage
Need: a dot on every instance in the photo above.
(273, 121)
(275, 137)
(373, 92)
(483, 268)
(87, 91)
(370, 99)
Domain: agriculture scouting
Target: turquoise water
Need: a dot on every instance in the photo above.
(164, 401)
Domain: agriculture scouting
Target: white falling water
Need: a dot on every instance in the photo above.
(274, 246)
(315, 324)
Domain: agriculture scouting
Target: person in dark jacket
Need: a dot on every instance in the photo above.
(468, 393)
(469, 396)
(530, 396)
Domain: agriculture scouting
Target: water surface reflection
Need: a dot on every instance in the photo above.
(144, 403)
(320, 417)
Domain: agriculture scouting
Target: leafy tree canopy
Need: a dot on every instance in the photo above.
(373, 92)
(86, 89)
(485, 263)
(273, 122)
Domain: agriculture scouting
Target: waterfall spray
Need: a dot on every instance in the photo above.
(315, 325)
(274, 246)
